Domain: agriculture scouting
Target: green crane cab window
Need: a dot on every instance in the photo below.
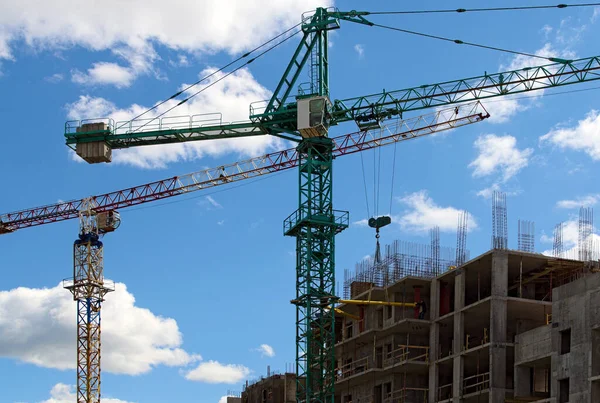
(316, 105)
(316, 119)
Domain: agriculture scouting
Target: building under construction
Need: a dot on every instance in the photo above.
(483, 331)
(506, 326)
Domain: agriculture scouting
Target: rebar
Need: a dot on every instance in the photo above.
(526, 238)
(401, 259)
(461, 237)
(499, 221)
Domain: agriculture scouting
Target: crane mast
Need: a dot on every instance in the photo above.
(89, 288)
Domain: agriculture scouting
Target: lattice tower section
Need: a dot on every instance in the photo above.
(88, 288)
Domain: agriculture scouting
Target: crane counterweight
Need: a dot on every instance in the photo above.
(93, 152)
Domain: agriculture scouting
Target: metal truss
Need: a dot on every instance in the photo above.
(88, 288)
(390, 132)
(315, 225)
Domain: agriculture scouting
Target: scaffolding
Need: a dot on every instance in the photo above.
(401, 259)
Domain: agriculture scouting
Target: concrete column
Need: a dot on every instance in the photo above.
(498, 327)
(522, 380)
(434, 340)
(417, 291)
(459, 332)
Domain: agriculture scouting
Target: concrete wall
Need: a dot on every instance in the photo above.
(533, 345)
(575, 308)
(276, 389)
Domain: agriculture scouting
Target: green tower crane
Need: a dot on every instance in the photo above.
(305, 117)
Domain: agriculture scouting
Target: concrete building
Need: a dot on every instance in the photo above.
(489, 333)
(506, 326)
(560, 362)
(277, 388)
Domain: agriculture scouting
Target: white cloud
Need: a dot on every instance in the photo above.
(221, 222)
(215, 372)
(223, 399)
(266, 351)
(584, 201)
(499, 154)
(182, 61)
(213, 202)
(62, 393)
(54, 78)
(360, 50)
(546, 30)
(501, 110)
(38, 326)
(570, 239)
(570, 234)
(104, 73)
(595, 15)
(361, 223)
(184, 26)
(570, 32)
(488, 192)
(231, 97)
(521, 61)
(585, 136)
(423, 213)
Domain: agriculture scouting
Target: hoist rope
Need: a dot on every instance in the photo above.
(362, 162)
(393, 176)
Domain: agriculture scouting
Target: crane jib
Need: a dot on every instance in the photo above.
(390, 132)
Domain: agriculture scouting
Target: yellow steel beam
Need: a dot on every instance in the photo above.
(347, 314)
(380, 303)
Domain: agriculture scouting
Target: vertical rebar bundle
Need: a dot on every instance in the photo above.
(461, 237)
(557, 248)
(526, 236)
(499, 221)
(435, 249)
(586, 228)
(401, 259)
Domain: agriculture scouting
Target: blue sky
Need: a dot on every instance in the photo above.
(204, 281)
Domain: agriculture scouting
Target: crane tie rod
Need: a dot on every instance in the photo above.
(217, 80)
(465, 10)
(245, 55)
(461, 42)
